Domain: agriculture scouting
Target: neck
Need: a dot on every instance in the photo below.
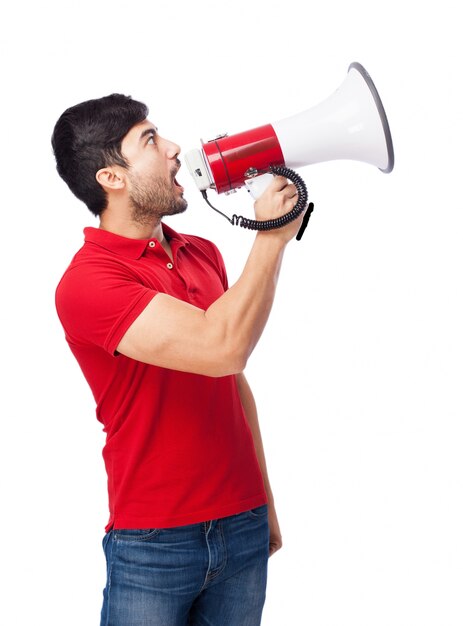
(130, 229)
(134, 230)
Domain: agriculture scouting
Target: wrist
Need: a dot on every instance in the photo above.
(273, 240)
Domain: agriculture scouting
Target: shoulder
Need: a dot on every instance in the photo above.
(98, 297)
(87, 266)
(91, 277)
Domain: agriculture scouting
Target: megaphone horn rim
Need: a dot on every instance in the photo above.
(382, 114)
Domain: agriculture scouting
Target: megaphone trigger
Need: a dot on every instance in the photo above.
(258, 184)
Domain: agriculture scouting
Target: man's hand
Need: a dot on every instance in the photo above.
(276, 540)
(279, 198)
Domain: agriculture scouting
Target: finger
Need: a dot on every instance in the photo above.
(289, 191)
(289, 201)
(279, 183)
(274, 547)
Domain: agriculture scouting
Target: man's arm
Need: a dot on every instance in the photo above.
(250, 410)
(217, 342)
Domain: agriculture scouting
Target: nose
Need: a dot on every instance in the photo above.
(173, 150)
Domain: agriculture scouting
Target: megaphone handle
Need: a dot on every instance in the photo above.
(256, 187)
(286, 172)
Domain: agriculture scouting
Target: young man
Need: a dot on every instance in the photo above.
(163, 342)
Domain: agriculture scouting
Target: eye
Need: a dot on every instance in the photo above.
(151, 140)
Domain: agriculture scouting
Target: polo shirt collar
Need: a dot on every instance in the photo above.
(130, 248)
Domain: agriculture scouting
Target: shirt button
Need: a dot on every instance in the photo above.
(152, 244)
(170, 266)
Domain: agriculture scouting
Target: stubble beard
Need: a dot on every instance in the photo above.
(152, 201)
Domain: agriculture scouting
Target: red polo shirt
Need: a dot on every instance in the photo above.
(178, 447)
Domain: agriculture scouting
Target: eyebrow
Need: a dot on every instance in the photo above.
(148, 131)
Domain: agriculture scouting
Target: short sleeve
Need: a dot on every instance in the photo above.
(97, 303)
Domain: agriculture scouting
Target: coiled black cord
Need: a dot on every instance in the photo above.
(286, 172)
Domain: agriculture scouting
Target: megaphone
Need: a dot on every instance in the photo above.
(350, 124)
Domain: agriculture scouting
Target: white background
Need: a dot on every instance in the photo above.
(358, 375)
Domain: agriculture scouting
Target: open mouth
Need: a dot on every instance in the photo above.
(178, 185)
(175, 181)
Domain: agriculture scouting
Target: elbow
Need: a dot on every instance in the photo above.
(229, 361)
(228, 350)
(236, 363)
(236, 351)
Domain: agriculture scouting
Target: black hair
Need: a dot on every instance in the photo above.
(88, 137)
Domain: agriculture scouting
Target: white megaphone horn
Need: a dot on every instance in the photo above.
(350, 124)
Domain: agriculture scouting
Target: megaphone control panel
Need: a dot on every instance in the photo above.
(199, 169)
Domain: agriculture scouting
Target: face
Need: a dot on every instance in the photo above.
(153, 189)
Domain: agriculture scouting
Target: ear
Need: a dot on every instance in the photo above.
(110, 178)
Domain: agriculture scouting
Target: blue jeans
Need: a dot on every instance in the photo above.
(208, 574)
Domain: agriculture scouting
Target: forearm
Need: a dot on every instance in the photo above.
(250, 410)
(249, 406)
(242, 312)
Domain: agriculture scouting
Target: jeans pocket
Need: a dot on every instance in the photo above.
(258, 512)
(135, 534)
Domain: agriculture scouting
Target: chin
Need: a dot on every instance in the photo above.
(176, 209)
(182, 206)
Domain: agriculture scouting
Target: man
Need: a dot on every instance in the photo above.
(163, 342)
